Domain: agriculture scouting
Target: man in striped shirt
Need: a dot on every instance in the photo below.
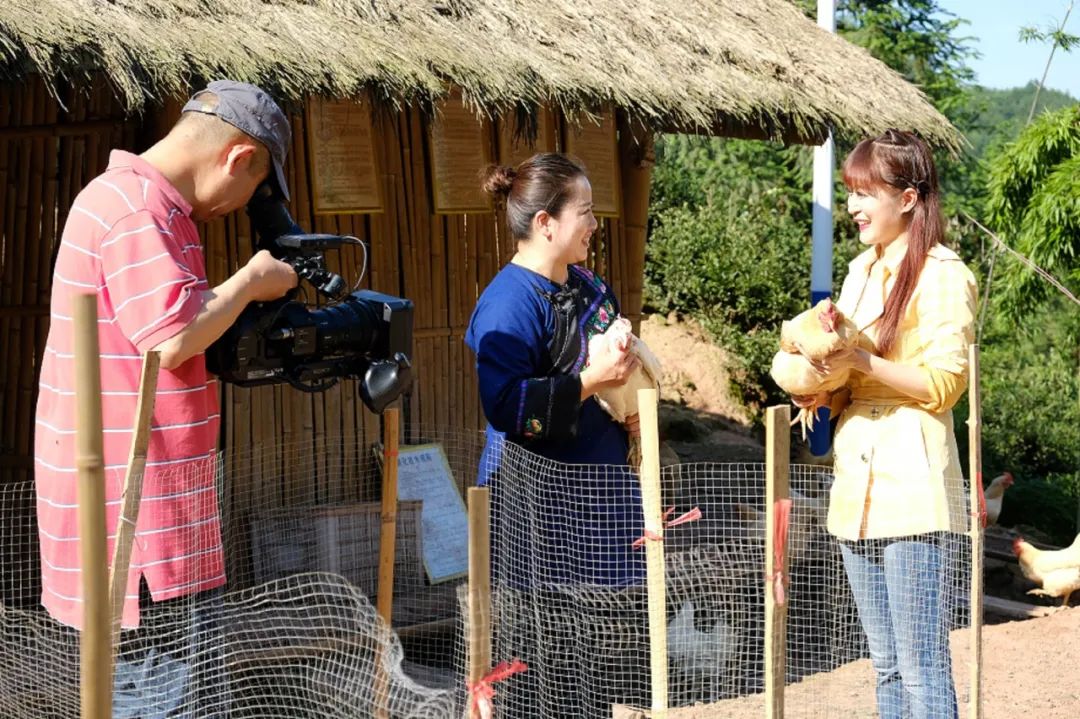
(130, 238)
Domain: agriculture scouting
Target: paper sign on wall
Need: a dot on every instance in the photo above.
(597, 147)
(344, 173)
(460, 149)
(424, 474)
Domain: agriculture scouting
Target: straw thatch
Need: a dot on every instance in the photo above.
(753, 67)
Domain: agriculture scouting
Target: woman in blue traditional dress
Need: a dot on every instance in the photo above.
(565, 507)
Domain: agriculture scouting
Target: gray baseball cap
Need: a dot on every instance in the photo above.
(253, 112)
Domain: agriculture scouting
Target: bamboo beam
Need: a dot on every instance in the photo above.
(95, 652)
(132, 492)
(777, 487)
(479, 626)
(635, 166)
(977, 509)
(654, 550)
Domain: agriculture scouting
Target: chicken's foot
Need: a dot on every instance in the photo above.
(805, 419)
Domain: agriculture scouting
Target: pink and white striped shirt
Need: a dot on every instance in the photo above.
(130, 240)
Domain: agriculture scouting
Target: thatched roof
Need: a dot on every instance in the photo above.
(723, 66)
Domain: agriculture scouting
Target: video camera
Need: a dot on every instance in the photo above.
(364, 335)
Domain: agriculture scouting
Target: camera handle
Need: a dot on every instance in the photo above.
(304, 252)
(312, 268)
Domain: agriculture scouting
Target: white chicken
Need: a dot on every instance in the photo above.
(994, 495)
(701, 655)
(622, 402)
(1056, 572)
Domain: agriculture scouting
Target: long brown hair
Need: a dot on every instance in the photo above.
(901, 160)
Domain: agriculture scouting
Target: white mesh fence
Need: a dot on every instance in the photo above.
(570, 598)
(294, 632)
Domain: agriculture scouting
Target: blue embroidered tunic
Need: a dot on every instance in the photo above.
(530, 336)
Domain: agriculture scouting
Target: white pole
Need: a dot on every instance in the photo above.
(821, 260)
(822, 229)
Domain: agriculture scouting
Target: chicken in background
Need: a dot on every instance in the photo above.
(621, 402)
(700, 655)
(1056, 572)
(994, 494)
(811, 337)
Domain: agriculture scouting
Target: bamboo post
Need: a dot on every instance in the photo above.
(654, 551)
(636, 159)
(95, 652)
(388, 536)
(384, 600)
(132, 492)
(777, 487)
(479, 626)
(977, 508)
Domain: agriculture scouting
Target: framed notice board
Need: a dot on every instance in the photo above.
(424, 475)
(345, 175)
(515, 150)
(460, 149)
(597, 147)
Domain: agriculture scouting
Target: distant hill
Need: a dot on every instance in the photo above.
(1002, 113)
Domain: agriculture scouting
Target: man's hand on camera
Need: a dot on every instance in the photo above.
(268, 278)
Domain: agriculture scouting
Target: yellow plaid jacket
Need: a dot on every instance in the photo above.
(896, 463)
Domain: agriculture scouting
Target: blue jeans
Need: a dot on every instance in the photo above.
(172, 666)
(899, 589)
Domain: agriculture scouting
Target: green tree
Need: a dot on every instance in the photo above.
(1057, 37)
(1004, 113)
(1034, 204)
(920, 40)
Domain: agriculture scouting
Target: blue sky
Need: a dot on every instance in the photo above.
(1007, 62)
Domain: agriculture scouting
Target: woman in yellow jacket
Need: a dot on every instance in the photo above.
(898, 488)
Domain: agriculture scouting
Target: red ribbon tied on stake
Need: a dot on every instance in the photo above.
(482, 692)
(782, 516)
(983, 517)
(692, 516)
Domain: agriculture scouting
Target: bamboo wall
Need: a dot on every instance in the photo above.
(441, 262)
(48, 152)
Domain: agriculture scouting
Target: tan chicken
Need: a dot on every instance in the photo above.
(818, 332)
(622, 402)
(1057, 572)
(994, 495)
(812, 335)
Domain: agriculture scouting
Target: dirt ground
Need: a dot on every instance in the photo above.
(699, 420)
(1031, 668)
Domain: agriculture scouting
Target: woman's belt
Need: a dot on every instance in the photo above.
(884, 402)
(879, 405)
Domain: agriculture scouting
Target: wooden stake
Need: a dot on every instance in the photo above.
(95, 652)
(385, 593)
(977, 509)
(654, 550)
(777, 487)
(132, 492)
(479, 626)
(387, 537)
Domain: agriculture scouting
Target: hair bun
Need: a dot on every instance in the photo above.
(498, 180)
